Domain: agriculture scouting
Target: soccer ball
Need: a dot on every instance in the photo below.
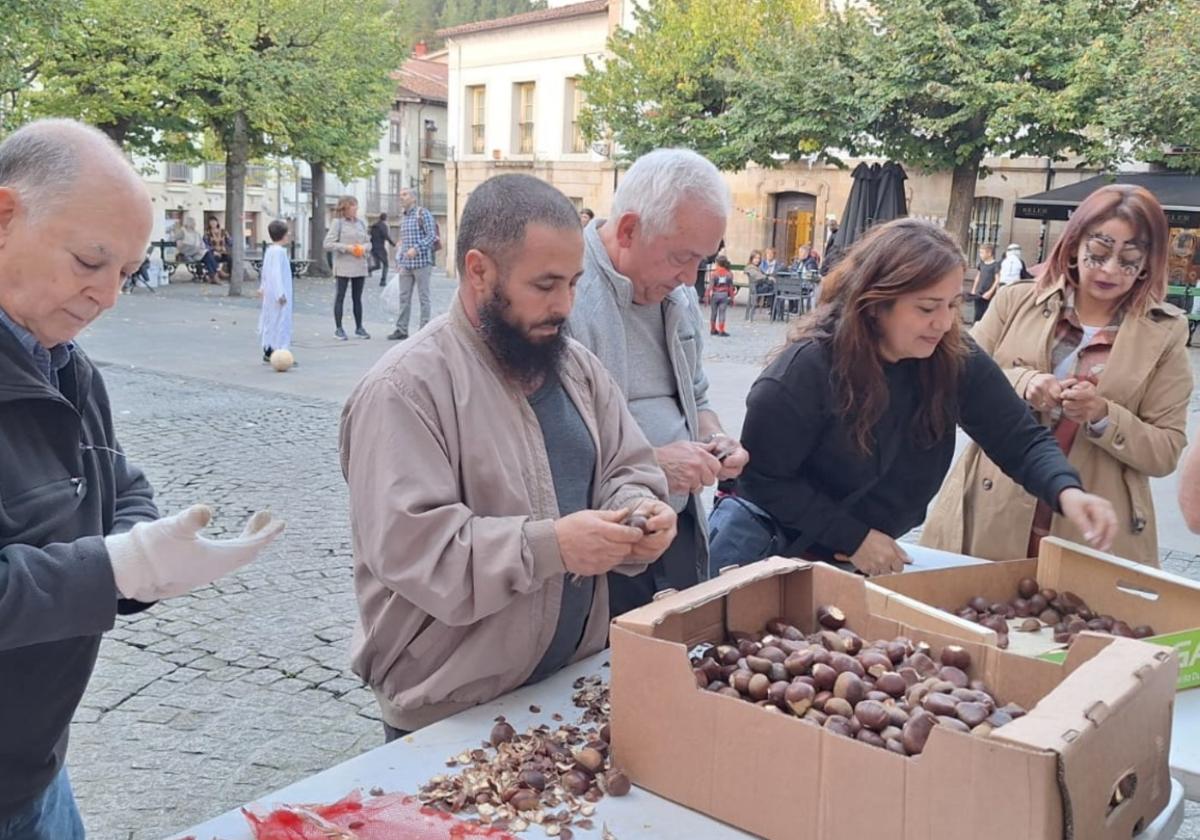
(282, 360)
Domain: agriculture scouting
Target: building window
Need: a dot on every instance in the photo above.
(575, 99)
(477, 98)
(394, 135)
(523, 107)
(179, 173)
(256, 176)
(985, 225)
(214, 173)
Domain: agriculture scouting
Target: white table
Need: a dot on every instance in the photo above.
(1185, 742)
(408, 763)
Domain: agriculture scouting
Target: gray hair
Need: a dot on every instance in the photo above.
(498, 211)
(661, 181)
(43, 160)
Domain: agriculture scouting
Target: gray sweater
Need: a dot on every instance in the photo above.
(600, 321)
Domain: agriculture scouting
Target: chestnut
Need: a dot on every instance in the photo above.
(758, 664)
(799, 663)
(972, 714)
(1030, 625)
(896, 746)
(589, 759)
(1021, 607)
(726, 654)
(953, 675)
(891, 683)
(821, 699)
(1027, 587)
(772, 653)
(939, 704)
(838, 706)
(869, 737)
(824, 676)
(1037, 603)
(998, 718)
(849, 687)
(922, 664)
(574, 782)
(1142, 631)
(778, 673)
(502, 733)
(980, 604)
(799, 697)
(1049, 594)
(838, 725)
(956, 656)
(528, 800)
(758, 687)
(1050, 616)
(843, 662)
(777, 692)
(873, 715)
(1120, 628)
(740, 680)
(875, 662)
(1013, 710)
(831, 617)
(533, 779)
(853, 642)
(616, 783)
(915, 733)
(954, 724)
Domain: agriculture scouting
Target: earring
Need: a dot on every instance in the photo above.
(1073, 263)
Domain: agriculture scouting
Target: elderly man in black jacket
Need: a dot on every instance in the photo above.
(80, 536)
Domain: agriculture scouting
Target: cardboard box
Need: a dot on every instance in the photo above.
(1049, 774)
(1132, 592)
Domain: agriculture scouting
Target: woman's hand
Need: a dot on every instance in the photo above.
(1092, 515)
(1044, 392)
(1082, 403)
(879, 554)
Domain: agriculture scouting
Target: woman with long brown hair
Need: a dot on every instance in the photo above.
(851, 427)
(1102, 361)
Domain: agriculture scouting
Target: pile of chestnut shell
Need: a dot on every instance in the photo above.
(886, 693)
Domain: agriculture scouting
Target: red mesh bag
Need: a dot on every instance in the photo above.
(388, 817)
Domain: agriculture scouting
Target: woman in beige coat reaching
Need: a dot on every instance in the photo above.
(1102, 361)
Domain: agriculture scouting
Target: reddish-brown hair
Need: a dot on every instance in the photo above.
(892, 260)
(1139, 209)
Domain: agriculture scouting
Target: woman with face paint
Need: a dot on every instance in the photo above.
(852, 426)
(1102, 362)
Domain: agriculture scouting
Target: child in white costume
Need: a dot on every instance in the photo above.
(275, 288)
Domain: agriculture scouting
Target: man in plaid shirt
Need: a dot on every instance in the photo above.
(414, 259)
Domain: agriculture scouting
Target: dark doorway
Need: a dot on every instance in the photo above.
(795, 223)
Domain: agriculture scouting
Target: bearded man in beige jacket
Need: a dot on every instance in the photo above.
(492, 465)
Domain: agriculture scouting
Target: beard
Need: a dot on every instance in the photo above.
(525, 359)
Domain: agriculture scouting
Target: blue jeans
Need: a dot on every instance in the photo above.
(51, 816)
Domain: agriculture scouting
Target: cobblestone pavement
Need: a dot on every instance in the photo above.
(210, 700)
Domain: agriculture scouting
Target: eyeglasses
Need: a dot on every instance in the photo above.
(1128, 267)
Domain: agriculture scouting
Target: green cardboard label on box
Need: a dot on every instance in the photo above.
(1186, 644)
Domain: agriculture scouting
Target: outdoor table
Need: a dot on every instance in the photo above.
(406, 764)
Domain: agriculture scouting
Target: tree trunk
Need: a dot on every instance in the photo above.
(235, 199)
(962, 199)
(317, 263)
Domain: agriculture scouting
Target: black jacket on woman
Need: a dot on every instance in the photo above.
(64, 485)
(804, 464)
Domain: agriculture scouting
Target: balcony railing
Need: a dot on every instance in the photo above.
(433, 150)
(179, 173)
(214, 175)
(390, 203)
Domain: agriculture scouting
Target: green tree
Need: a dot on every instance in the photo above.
(670, 81)
(339, 105)
(110, 63)
(1146, 84)
(27, 27)
(937, 84)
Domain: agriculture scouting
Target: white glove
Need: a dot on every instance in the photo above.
(168, 557)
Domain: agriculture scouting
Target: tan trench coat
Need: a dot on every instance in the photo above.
(1147, 382)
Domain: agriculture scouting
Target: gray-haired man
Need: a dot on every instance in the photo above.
(79, 531)
(635, 312)
(414, 260)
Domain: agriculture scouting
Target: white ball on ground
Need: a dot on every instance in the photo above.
(282, 360)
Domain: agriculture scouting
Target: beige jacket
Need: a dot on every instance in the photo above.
(452, 506)
(341, 237)
(1147, 382)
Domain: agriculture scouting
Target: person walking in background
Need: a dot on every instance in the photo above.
(275, 321)
(1103, 363)
(348, 239)
(985, 280)
(381, 237)
(414, 260)
(721, 295)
